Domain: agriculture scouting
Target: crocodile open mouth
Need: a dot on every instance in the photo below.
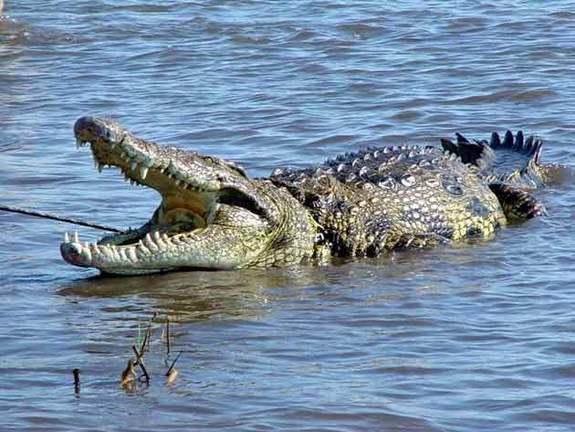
(191, 186)
(184, 203)
(184, 208)
(211, 215)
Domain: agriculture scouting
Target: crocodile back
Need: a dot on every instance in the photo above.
(385, 198)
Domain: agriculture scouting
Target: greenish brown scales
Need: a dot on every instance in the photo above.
(212, 215)
(384, 199)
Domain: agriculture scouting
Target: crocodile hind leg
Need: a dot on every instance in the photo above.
(518, 205)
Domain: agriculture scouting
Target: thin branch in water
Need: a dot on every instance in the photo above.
(128, 374)
(149, 331)
(172, 372)
(140, 361)
(167, 336)
(76, 373)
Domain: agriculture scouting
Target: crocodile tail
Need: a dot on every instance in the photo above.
(477, 153)
(513, 160)
(518, 205)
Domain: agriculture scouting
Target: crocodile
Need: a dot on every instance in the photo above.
(213, 215)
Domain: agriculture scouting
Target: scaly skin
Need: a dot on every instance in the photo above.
(384, 199)
(213, 216)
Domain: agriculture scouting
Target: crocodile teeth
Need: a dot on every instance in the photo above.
(66, 237)
(134, 165)
(76, 238)
(131, 253)
(87, 254)
(149, 243)
(143, 172)
(122, 254)
(142, 249)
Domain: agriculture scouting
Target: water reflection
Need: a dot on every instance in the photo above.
(201, 295)
(249, 294)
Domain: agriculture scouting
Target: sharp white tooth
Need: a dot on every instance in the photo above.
(165, 238)
(131, 252)
(150, 244)
(158, 239)
(66, 238)
(116, 253)
(87, 254)
(134, 165)
(76, 239)
(141, 247)
(132, 182)
(143, 172)
(122, 254)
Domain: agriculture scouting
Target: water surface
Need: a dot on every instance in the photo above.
(461, 339)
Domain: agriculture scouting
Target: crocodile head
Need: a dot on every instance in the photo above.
(211, 215)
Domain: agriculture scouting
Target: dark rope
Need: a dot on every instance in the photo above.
(57, 218)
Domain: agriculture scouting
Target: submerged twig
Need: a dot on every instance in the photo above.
(76, 373)
(140, 362)
(167, 336)
(172, 372)
(149, 331)
(128, 375)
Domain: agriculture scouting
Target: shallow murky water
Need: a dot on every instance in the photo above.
(463, 339)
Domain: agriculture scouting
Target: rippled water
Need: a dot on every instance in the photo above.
(462, 339)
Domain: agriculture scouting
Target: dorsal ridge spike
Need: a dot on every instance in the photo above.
(495, 140)
(518, 145)
(508, 140)
(528, 147)
(461, 138)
